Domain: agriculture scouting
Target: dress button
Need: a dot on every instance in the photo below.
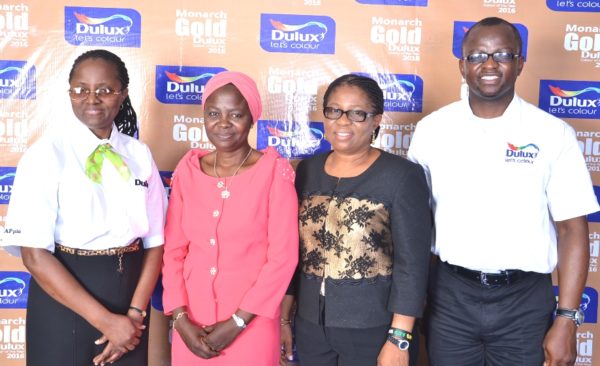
(213, 271)
(212, 241)
(216, 213)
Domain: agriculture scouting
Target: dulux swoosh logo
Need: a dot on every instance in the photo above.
(82, 18)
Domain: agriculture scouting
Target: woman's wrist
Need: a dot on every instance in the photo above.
(137, 310)
(179, 317)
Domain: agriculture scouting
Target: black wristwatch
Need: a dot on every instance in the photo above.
(576, 315)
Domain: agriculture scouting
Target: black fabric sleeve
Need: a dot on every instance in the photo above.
(411, 222)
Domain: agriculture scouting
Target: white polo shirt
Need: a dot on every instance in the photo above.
(54, 201)
(499, 184)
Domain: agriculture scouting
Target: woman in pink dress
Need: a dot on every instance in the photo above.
(231, 239)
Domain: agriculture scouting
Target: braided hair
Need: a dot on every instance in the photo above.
(126, 119)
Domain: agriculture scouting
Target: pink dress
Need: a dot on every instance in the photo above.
(222, 254)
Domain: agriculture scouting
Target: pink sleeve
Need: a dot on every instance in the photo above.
(176, 249)
(264, 297)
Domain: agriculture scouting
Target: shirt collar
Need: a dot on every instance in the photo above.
(85, 142)
(511, 113)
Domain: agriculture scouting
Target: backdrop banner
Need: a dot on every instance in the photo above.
(293, 49)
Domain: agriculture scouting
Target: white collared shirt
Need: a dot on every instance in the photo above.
(499, 184)
(53, 201)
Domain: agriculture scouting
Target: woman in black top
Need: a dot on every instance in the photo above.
(365, 232)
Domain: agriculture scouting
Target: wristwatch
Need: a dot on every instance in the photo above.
(576, 315)
(238, 321)
(402, 344)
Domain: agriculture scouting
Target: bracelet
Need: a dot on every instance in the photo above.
(285, 321)
(139, 311)
(396, 332)
(178, 316)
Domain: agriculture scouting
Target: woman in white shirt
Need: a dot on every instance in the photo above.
(86, 215)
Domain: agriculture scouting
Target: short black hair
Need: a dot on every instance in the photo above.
(492, 21)
(126, 119)
(366, 84)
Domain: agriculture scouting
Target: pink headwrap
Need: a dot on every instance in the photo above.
(243, 83)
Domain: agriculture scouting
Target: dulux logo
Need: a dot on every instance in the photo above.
(297, 33)
(13, 289)
(589, 303)
(182, 84)
(7, 177)
(574, 5)
(115, 27)
(17, 80)
(461, 28)
(292, 140)
(402, 92)
(395, 2)
(529, 151)
(595, 217)
(570, 99)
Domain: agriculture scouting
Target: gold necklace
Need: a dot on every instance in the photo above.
(226, 193)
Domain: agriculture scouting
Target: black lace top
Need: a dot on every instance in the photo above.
(368, 236)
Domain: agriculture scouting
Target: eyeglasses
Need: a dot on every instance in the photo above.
(355, 115)
(481, 57)
(80, 93)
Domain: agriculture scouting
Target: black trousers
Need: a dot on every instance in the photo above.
(472, 325)
(56, 336)
(318, 345)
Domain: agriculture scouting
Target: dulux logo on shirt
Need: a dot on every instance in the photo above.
(292, 140)
(574, 5)
(17, 80)
(13, 289)
(395, 2)
(182, 84)
(7, 177)
(402, 92)
(570, 99)
(113, 27)
(297, 33)
(589, 303)
(461, 28)
(521, 153)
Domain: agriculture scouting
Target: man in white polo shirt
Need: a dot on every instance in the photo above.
(510, 195)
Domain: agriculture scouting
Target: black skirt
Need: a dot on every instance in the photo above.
(56, 336)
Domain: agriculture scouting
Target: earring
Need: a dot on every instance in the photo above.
(373, 137)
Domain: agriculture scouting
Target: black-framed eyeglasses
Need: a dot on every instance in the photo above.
(81, 93)
(481, 57)
(354, 115)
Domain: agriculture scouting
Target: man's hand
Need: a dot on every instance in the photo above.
(560, 344)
